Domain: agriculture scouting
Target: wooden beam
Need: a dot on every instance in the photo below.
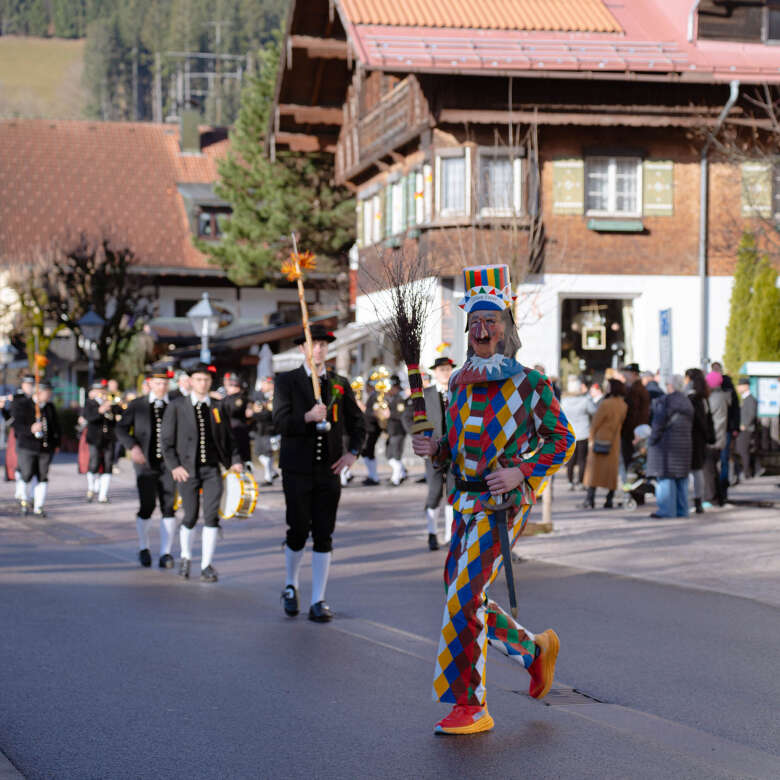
(325, 48)
(313, 115)
(458, 116)
(300, 142)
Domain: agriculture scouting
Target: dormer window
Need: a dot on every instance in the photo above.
(209, 223)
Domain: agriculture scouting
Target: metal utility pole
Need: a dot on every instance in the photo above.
(218, 24)
(157, 107)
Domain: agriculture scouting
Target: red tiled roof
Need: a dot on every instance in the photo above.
(561, 15)
(58, 178)
(653, 40)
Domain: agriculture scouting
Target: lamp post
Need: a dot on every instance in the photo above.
(91, 326)
(205, 321)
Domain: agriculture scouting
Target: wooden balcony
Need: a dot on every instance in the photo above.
(398, 117)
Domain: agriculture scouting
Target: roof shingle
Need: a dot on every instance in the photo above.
(541, 15)
(59, 178)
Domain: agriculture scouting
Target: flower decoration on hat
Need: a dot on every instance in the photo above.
(487, 287)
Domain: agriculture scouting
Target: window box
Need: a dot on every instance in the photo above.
(616, 225)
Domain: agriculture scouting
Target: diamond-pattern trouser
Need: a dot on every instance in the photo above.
(470, 618)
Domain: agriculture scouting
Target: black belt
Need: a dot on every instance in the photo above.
(471, 485)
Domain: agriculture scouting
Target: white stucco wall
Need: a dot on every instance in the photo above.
(539, 315)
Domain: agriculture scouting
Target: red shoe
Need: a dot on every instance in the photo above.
(542, 670)
(465, 719)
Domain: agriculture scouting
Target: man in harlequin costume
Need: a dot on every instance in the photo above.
(505, 436)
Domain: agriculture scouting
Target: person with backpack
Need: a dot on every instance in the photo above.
(703, 431)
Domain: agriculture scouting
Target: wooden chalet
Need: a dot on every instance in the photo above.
(569, 140)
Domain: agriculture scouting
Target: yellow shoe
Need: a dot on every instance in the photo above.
(542, 670)
(465, 719)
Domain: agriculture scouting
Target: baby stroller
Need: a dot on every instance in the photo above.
(638, 484)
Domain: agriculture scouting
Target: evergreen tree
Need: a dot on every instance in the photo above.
(737, 332)
(764, 320)
(272, 199)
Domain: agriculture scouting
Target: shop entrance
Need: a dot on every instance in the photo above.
(596, 334)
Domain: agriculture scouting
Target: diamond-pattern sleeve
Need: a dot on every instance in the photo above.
(556, 438)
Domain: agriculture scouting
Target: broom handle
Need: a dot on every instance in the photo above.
(37, 380)
(315, 379)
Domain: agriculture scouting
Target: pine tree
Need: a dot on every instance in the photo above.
(272, 199)
(738, 331)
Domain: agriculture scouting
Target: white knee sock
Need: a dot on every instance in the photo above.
(208, 545)
(344, 476)
(105, 482)
(142, 526)
(397, 468)
(432, 515)
(167, 530)
(292, 565)
(371, 468)
(265, 462)
(21, 489)
(185, 540)
(92, 480)
(40, 496)
(28, 491)
(320, 566)
(449, 517)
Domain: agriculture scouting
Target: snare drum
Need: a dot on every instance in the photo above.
(239, 495)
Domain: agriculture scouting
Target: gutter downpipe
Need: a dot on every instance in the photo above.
(704, 171)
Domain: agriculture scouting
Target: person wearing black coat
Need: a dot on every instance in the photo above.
(311, 460)
(101, 414)
(398, 425)
(374, 430)
(701, 432)
(240, 414)
(747, 426)
(196, 442)
(669, 450)
(263, 428)
(140, 432)
(37, 432)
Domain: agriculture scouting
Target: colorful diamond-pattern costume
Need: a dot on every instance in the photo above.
(500, 414)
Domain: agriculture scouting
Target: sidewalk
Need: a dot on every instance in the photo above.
(733, 549)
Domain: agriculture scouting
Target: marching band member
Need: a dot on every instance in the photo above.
(264, 428)
(311, 460)
(101, 414)
(506, 434)
(26, 388)
(375, 418)
(140, 431)
(240, 415)
(196, 441)
(439, 481)
(37, 432)
(398, 423)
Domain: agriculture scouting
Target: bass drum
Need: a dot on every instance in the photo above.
(239, 495)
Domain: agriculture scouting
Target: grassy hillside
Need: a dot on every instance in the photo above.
(41, 77)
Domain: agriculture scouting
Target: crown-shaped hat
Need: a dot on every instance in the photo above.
(487, 287)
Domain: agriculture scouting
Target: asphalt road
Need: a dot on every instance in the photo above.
(110, 670)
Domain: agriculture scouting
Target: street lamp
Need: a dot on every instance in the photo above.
(91, 326)
(205, 321)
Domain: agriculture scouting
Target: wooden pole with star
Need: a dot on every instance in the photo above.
(293, 269)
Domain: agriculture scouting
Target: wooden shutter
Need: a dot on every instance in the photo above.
(359, 216)
(756, 189)
(388, 210)
(658, 180)
(568, 186)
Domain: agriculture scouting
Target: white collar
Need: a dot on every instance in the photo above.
(307, 368)
(195, 400)
(746, 393)
(441, 388)
(153, 398)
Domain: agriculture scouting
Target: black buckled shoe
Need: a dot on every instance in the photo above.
(145, 558)
(184, 567)
(320, 612)
(209, 574)
(433, 542)
(166, 561)
(290, 600)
